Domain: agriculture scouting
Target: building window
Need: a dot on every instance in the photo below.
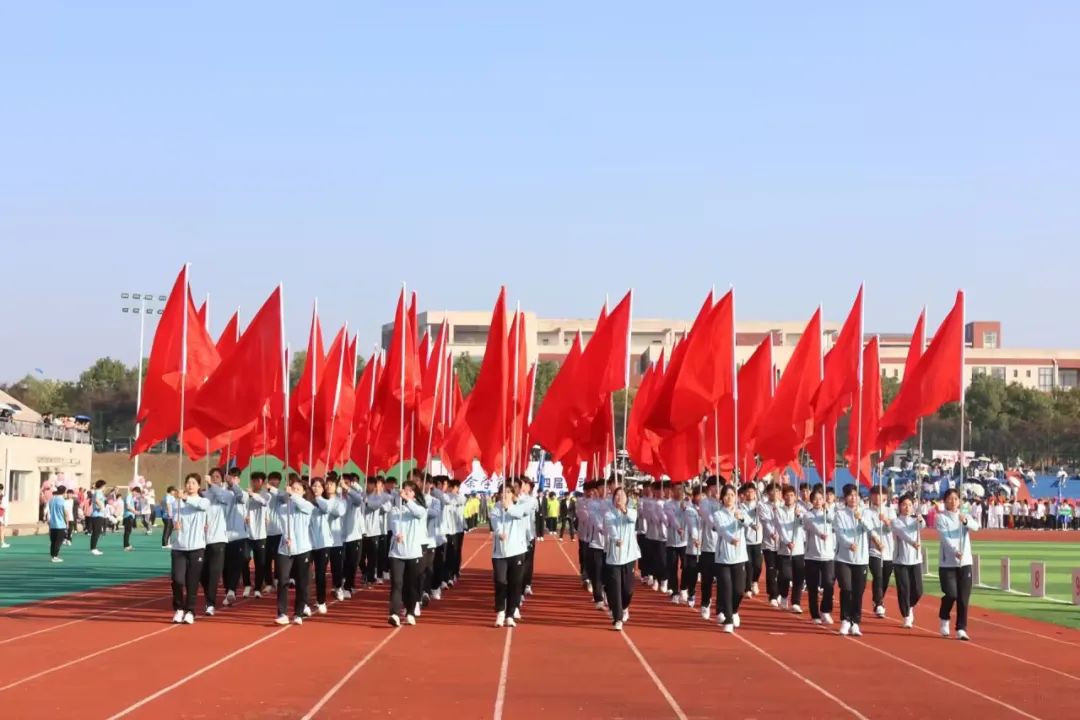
(896, 372)
(978, 371)
(545, 341)
(998, 373)
(1069, 379)
(990, 340)
(1046, 379)
(1016, 373)
(15, 485)
(1028, 372)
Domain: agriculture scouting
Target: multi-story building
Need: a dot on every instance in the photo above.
(550, 339)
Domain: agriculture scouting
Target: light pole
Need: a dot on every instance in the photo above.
(142, 310)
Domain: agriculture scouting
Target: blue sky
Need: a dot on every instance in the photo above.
(567, 150)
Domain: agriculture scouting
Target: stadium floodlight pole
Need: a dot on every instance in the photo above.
(142, 311)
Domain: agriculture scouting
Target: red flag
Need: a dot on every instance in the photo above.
(202, 311)
(327, 398)
(341, 436)
(755, 396)
(936, 380)
(867, 415)
(548, 428)
(918, 343)
(364, 397)
(841, 378)
(229, 336)
(433, 389)
(789, 422)
(659, 418)
(486, 412)
(302, 397)
(235, 396)
(395, 398)
(602, 369)
(642, 443)
(182, 356)
(526, 443)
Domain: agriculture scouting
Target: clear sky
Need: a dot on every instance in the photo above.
(567, 149)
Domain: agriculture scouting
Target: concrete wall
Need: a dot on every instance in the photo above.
(27, 462)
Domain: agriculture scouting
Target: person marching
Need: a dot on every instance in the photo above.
(692, 558)
(216, 538)
(596, 511)
(258, 511)
(508, 519)
(657, 532)
(853, 528)
(820, 557)
(169, 509)
(710, 503)
(790, 551)
(754, 537)
(236, 535)
(730, 523)
(882, 547)
(675, 513)
(407, 524)
(352, 531)
(327, 508)
(535, 531)
(954, 527)
(620, 552)
(581, 509)
(766, 518)
(273, 529)
(907, 560)
(188, 548)
(97, 516)
(295, 514)
(56, 514)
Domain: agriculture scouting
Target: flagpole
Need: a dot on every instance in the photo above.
(519, 323)
(206, 325)
(183, 373)
(285, 411)
(337, 399)
(626, 389)
(401, 423)
(963, 347)
(736, 476)
(314, 377)
(440, 381)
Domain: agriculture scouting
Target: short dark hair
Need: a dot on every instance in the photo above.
(275, 475)
(850, 489)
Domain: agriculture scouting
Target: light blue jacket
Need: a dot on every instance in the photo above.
(273, 511)
(323, 519)
(620, 537)
(57, 513)
(190, 529)
(258, 511)
(236, 514)
(407, 522)
(789, 528)
(508, 529)
(692, 522)
(820, 538)
(295, 516)
(220, 501)
(730, 528)
(850, 531)
(352, 522)
(708, 533)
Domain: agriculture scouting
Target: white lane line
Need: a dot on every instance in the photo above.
(1026, 632)
(800, 676)
(348, 676)
(81, 595)
(69, 663)
(202, 671)
(641, 659)
(943, 678)
(500, 696)
(88, 617)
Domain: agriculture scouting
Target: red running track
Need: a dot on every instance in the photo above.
(115, 654)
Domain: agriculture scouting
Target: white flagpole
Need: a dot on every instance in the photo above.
(514, 391)
(960, 481)
(314, 345)
(440, 382)
(626, 383)
(337, 398)
(183, 373)
(735, 475)
(285, 411)
(206, 324)
(401, 428)
(375, 358)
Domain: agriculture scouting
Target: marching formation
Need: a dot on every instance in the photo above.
(686, 540)
(273, 538)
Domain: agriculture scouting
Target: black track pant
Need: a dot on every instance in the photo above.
(707, 568)
(852, 581)
(880, 573)
(771, 584)
(659, 560)
(187, 568)
(235, 557)
(97, 526)
(257, 549)
(438, 569)
(676, 558)
(596, 573)
(690, 574)
(791, 570)
(508, 575)
(427, 565)
(351, 563)
(956, 589)
(753, 566)
(619, 584)
(56, 540)
(530, 554)
(129, 525)
(166, 531)
(820, 574)
(273, 544)
(730, 581)
(320, 559)
(404, 583)
(583, 558)
(369, 557)
(286, 566)
(384, 554)
(908, 587)
(214, 562)
(337, 565)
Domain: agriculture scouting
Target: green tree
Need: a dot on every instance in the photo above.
(466, 368)
(623, 401)
(546, 370)
(107, 390)
(296, 367)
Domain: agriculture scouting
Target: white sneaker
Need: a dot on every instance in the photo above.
(517, 613)
(845, 627)
(783, 603)
(600, 605)
(682, 596)
(962, 635)
(178, 616)
(282, 620)
(339, 594)
(880, 611)
(625, 615)
(588, 587)
(618, 625)
(410, 619)
(417, 610)
(735, 620)
(774, 602)
(386, 576)
(528, 590)
(92, 552)
(911, 615)
(796, 609)
(307, 611)
(5, 546)
(510, 622)
(855, 630)
(210, 610)
(663, 587)
(189, 618)
(257, 595)
(755, 590)
(436, 594)
(690, 603)
(247, 591)
(655, 586)
(395, 621)
(346, 594)
(908, 622)
(379, 581)
(56, 560)
(500, 619)
(298, 620)
(729, 628)
(827, 619)
(321, 608)
(705, 612)
(444, 585)
(292, 583)
(817, 621)
(230, 597)
(675, 599)
(944, 628)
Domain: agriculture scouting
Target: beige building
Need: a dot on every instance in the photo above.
(550, 338)
(32, 452)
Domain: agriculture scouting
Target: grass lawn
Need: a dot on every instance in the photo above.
(27, 575)
(1060, 559)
